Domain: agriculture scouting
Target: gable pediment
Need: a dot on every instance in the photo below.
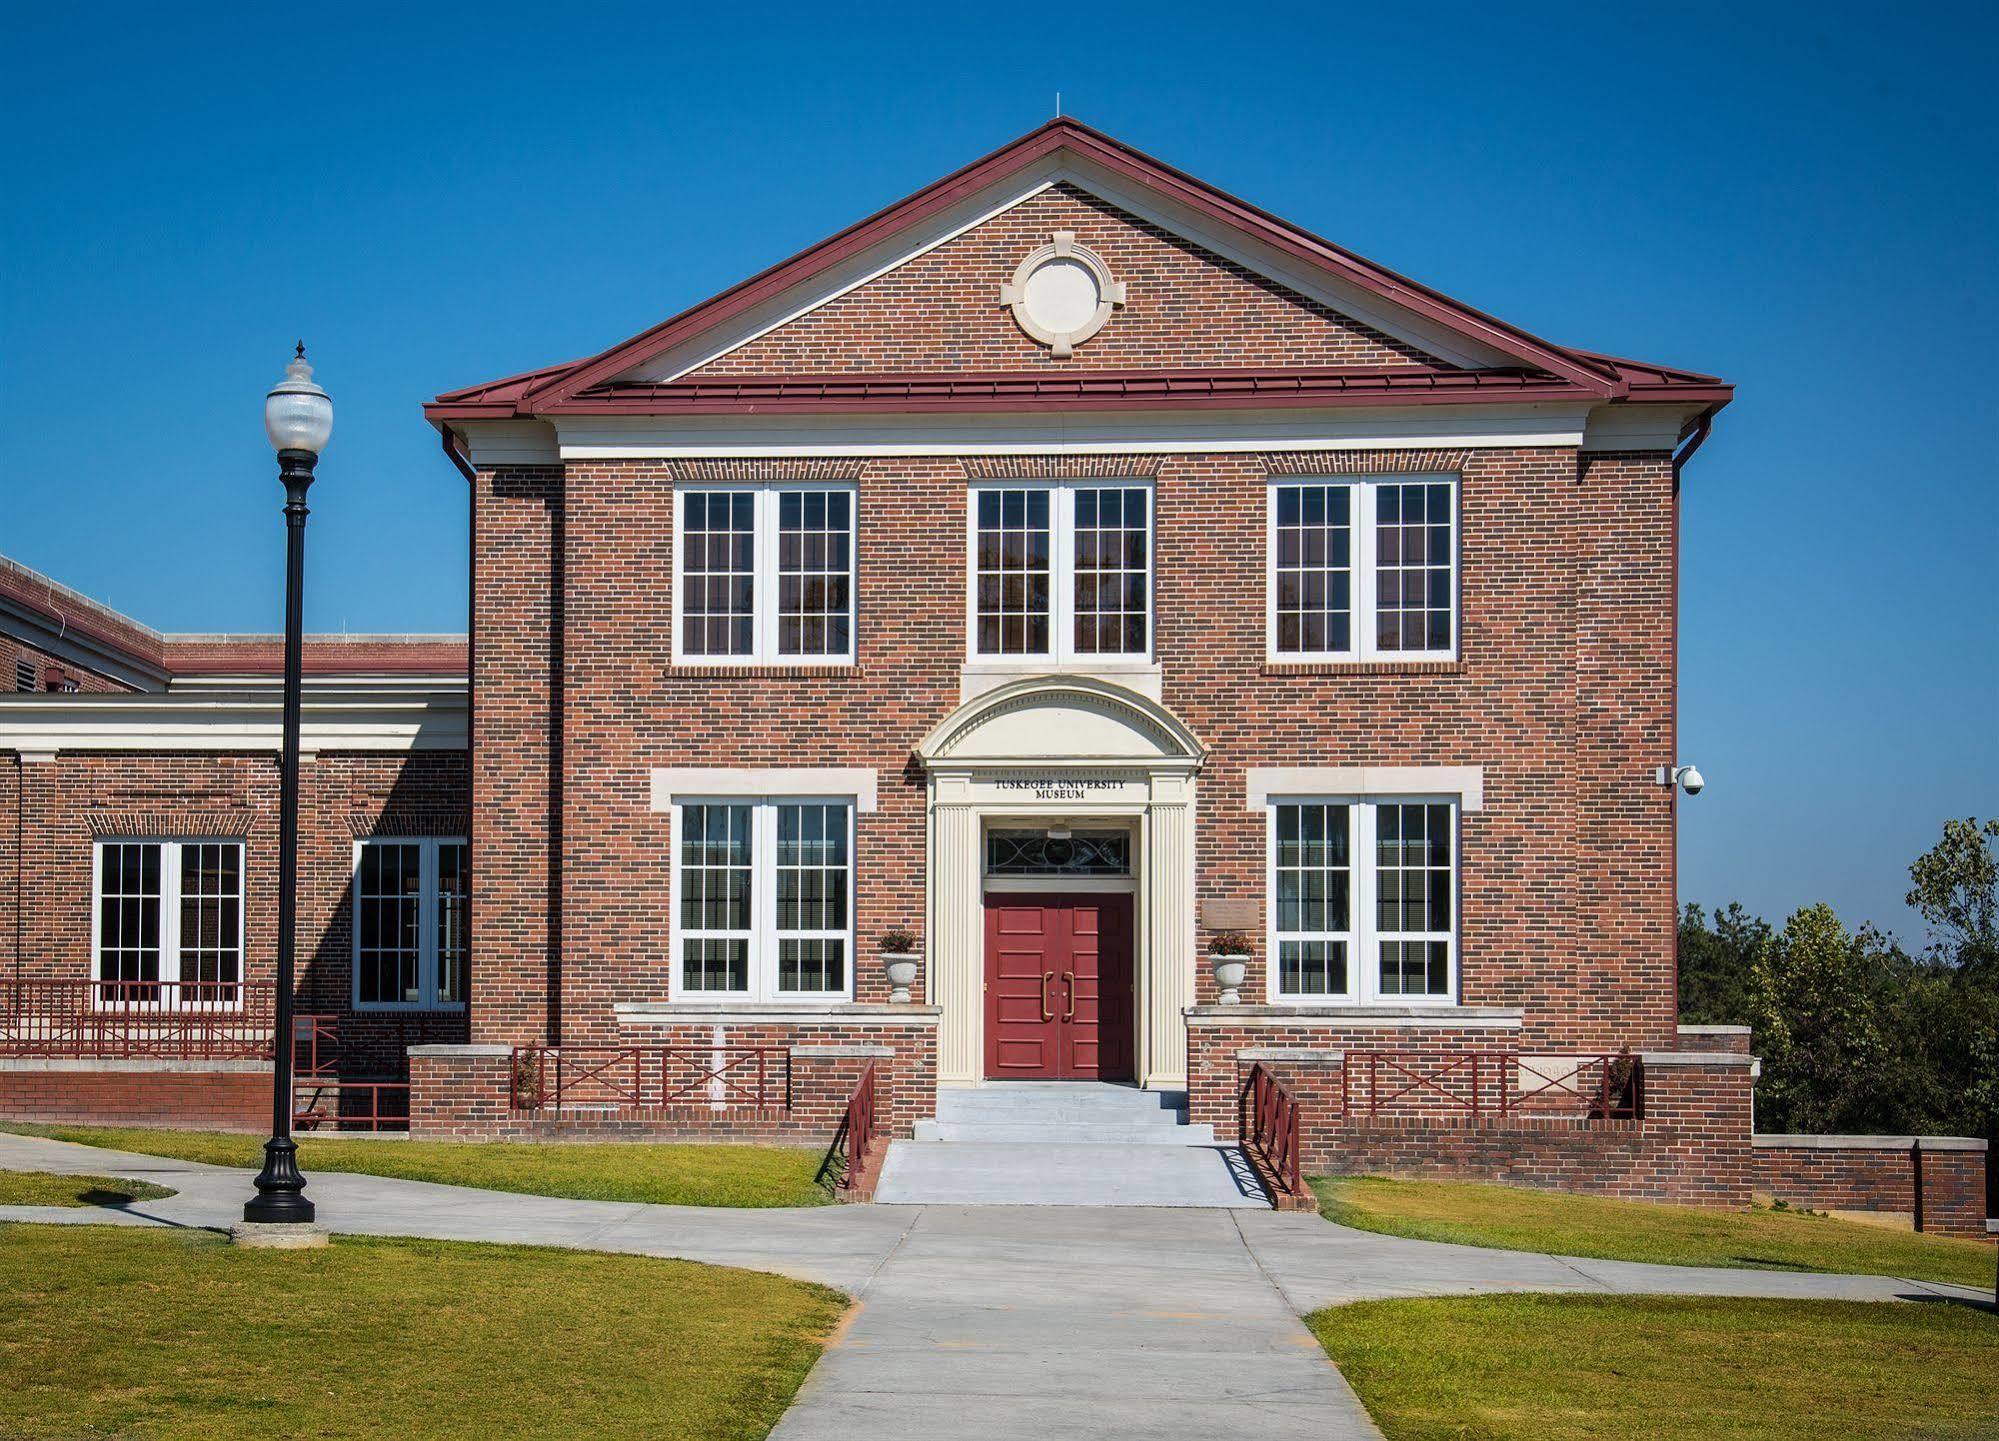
(944, 308)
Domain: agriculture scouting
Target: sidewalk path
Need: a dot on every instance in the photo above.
(998, 1322)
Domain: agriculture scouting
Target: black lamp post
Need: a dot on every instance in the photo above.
(298, 417)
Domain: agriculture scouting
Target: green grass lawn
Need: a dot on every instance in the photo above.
(110, 1331)
(669, 1175)
(45, 1188)
(1518, 1220)
(1579, 1368)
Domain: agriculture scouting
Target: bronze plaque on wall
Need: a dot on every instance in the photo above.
(1228, 915)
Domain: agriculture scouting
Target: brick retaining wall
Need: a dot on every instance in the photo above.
(190, 1095)
(465, 1093)
(1936, 1182)
(1690, 1143)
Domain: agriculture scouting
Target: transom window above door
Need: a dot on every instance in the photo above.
(1061, 571)
(1363, 569)
(764, 574)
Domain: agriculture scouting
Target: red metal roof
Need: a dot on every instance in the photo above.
(1545, 370)
(172, 655)
(1091, 390)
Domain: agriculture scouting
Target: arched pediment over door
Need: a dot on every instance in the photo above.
(1062, 720)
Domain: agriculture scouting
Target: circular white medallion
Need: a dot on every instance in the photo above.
(1062, 294)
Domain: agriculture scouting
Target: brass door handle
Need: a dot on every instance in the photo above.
(1070, 977)
(1046, 1014)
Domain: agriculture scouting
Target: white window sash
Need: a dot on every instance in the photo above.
(1364, 939)
(427, 913)
(169, 902)
(1362, 567)
(764, 572)
(763, 935)
(1061, 572)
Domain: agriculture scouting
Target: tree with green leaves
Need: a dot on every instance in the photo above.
(1956, 888)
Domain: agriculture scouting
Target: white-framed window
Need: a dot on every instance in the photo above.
(1060, 570)
(409, 923)
(1363, 568)
(764, 574)
(763, 898)
(167, 922)
(1363, 899)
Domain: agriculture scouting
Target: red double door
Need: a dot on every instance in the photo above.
(1058, 987)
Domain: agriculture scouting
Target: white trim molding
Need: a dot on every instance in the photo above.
(1029, 432)
(1366, 1018)
(1465, 782)
(843, 783)
(689, 1013)
(246, 720)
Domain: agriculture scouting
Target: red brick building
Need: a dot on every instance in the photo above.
(1074, 567)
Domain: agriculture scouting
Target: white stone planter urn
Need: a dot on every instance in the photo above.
(901, 969)
(1229, 972)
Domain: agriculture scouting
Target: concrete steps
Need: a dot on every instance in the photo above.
(1060, 1143)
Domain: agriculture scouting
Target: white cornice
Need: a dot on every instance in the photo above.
(353, 721)
(1031, 432)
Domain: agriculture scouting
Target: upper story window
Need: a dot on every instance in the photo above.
(1364, 569)
(409, 923)
(169, 922)
(764, 574)
(1061, 571)
(1363, 900)
(763, 899)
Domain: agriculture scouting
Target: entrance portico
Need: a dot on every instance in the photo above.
(1062, 751)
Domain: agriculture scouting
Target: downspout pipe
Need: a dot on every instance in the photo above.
(465, 466)
(1702, 428)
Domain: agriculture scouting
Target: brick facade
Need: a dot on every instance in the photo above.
(52, 811)
(1563, 683)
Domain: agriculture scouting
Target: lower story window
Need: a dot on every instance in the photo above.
(763, 902)
(409, 923)
(169, 922)
(1363, 899)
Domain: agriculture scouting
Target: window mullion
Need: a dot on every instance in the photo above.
(1062, 573)
(763, 901)
(1365, 883)
(426, 922)
(1363, 570)
(763, 595)
(169, 903)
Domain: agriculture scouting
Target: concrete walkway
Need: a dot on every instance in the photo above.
(998, 1322)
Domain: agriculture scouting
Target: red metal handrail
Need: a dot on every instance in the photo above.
(636, 1078)
(1273, 1128)
(180, 1020)
(1491, 1083)
(325, 1098)
(858, 1127)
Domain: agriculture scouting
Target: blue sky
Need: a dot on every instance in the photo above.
(1801, 200)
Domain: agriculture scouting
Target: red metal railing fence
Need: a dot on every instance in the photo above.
(643, 1078)
(858, 1129)
(1273, 1129)
(1498, 1084)
(176, 1020)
